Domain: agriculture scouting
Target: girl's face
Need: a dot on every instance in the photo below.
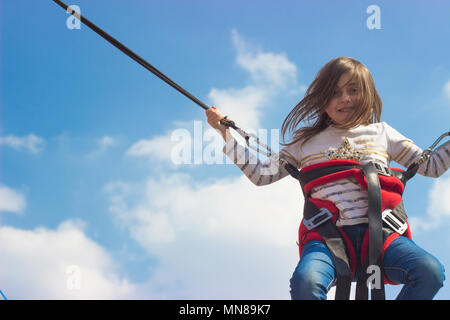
(344, 100)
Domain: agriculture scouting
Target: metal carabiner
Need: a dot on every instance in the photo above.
(247, 136)
(426, 154)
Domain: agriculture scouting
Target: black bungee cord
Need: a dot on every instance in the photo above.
(225, 121)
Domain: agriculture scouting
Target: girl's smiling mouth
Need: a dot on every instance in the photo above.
(345, 109)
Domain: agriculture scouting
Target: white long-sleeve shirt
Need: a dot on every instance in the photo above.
(376, 142)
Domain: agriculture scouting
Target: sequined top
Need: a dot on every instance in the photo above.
(377, 142)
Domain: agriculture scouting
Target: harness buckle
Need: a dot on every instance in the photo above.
(320, 217)
(383, 170)
(397, 224)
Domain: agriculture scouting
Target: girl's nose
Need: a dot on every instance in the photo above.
(345, 97)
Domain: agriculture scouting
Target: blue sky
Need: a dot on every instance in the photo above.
(85, 173)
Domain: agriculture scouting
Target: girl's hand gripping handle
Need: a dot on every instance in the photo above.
(218, 121)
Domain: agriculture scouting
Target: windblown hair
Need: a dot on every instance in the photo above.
(311, 109)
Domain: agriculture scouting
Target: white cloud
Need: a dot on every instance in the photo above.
(440, 198)
(102, 144)
(446, 90)
(438, 208)
(242, 105)
(219, 239)
(194, 143)
(271, 74)
(158, 148)
(58, 264)
(106, 142)
(30, 143)
(265, 68)
(11, 200)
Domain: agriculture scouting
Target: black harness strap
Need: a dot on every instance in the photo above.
(335, 243)
(375, 230)
(362, 292)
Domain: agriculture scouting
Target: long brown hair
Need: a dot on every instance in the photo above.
(311, 109)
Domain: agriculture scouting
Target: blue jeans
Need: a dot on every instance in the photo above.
(404, 262)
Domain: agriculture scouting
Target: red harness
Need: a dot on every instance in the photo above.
(389, 186)
(391, 195)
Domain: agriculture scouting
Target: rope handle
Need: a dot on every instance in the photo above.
(260, 147)
(425, 156)
(429, 151)
(228, 123)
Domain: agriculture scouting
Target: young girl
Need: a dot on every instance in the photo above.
(343, 109)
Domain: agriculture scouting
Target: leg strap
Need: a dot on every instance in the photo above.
(335, 243)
